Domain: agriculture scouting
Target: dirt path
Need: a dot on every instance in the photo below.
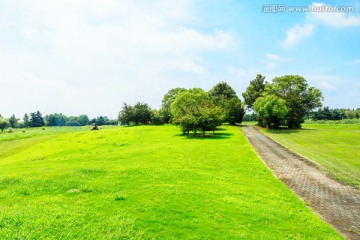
(335, 203)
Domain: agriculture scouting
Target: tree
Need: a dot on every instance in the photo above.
(225, 97)
(83, 120)
(13, 121)
(4, 123)
(168, 99)
(234, 111)
(254, 90)
(142, 113)
(36, 119)
(194, 110)
(350, 114)
(26, 120)
(126, 114)
(298, 96)
(222, 92)
(270, 111)
(156, 117)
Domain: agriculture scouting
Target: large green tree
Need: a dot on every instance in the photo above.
(4, 123)
(253, 91)
(194, 110)
(270, 110)
(299, 97)
(142, 113)
(168, 99)
(222, 92)
(36, 119)
(225, 97)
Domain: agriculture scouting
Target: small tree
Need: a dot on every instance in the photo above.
(13, 121)
(270, 111)
(126, 114)
(26, 120)
(4, 123)
(234, 111)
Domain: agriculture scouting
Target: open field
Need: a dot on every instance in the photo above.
(333, 145)
(146, 182)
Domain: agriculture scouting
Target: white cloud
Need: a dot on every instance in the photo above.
(356, 61)
(295, 34)
(238, 72)
(99, 52)
(333, 19)
(273, 60)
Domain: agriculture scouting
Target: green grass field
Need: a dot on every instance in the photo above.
(145, 182)
(335, 146)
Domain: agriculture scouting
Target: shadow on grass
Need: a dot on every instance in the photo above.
(285, 130)
(208, 136)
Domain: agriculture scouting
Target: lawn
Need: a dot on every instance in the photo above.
(335, 146)
(146, 182)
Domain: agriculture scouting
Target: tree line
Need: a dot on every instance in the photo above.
(36, 119)
(192, 110)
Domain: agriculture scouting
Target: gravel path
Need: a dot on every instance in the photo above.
(335, 203)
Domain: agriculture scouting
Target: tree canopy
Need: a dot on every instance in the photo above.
(270, 110)
(225, 97)
(253, 91)
(168, 99)
(4, 123)
(298, 96)
(194, 110)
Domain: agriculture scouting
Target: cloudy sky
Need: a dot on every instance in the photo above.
(90, 56)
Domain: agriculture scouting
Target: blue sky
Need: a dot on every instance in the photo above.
(88, 57)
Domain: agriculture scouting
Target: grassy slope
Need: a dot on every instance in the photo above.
(335, 146)
(147, 182)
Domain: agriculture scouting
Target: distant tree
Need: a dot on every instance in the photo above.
(327, 114)
(234, 111)
(194, 110)
(83, 120)
(249, 117)
(56, 119)
(13, 121)
(298, 96)
(156, 117)
(357, 113)
(270, 110)
(142, 113)
(350, 114)
(168, 99)
(126, 114)
(101, 120)
(4, 123)
(26, 120)
(72, 121)
(253, 91)
(36, 119)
